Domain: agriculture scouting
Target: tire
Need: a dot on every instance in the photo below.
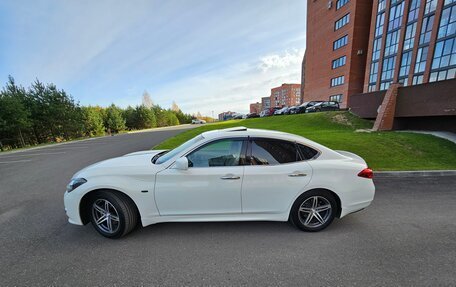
(115, 213)
(306, 206)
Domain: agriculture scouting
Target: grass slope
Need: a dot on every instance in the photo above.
(337, 130)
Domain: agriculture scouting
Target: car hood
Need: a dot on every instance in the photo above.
(133, 163)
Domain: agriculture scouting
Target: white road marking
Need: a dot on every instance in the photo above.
(14, 161)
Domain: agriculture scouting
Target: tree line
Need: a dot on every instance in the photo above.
(42, 113)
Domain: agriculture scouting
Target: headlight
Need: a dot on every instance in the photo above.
(74, 183)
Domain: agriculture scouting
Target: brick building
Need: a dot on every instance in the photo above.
(226, 116)
(336, 49)
(255, 108)
(265, 103)
(411, 42)
(286, 95)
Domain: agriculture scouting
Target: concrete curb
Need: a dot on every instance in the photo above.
(416, 173)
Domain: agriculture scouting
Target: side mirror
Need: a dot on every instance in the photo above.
(181, 163)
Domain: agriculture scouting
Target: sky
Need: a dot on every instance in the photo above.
(207, 56)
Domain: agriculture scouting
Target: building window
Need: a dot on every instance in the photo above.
(421, 56)
(373, 73)
(444, 54)
(447, 25)
(371, 88)
(339, 62)
(388, 68)
(337, 81)
(444, 60)
(340, 42)
(448, 2)
(336, 98)
(405, 64)
(430, 6)
(442, 75)
(418, 79)
(341, 3)
(404, 81)
(342, 22)
(395, 16)
(376, 50)
(409, 36)
(381, 5)
(392, 42)
(385, 85)
(380, 22)
(426, 29)
(413, 10)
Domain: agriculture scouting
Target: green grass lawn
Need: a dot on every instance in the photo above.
(337, 130)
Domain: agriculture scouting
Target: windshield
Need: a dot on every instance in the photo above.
(177, 150)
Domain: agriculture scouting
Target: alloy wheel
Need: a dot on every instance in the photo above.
(315, 211)
(105, 216)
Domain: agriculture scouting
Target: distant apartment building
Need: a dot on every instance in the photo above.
(336, 49)
(286, 95)
(255, 108)
(226, 116)
(265, 103)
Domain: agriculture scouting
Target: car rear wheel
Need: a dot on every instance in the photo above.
(314, 210)
(113, 214)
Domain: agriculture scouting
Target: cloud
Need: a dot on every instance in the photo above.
(284, 60)
(235, 86)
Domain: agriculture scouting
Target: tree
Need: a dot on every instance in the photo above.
(113, 121)
(93, 121)
(146, 100)
(175, 107)
(145, 118)
(14, 117)
(129, 114)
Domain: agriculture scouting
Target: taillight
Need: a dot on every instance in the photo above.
(367, 173)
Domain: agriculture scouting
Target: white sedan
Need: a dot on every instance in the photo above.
(235, 174)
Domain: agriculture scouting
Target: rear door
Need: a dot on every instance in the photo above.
(275, 173)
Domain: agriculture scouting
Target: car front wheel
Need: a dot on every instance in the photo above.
(113, 214)
(314, 210)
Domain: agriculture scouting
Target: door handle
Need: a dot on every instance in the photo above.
(296, 174)
(230, 176)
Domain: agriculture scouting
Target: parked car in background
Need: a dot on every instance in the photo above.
(302, 108)
(323, 106)
(234, 174)
(264, 113)
(253, 115)
(292, 110)
(281, 111)
(237, 116)
(198, 121)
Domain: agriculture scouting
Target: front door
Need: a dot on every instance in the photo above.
(211, 185)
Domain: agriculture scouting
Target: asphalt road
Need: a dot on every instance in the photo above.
(406, 237)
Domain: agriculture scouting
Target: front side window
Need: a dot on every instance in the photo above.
(227, 152)
(272, 152)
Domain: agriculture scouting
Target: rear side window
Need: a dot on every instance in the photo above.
(272, 152)
(306, 152)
